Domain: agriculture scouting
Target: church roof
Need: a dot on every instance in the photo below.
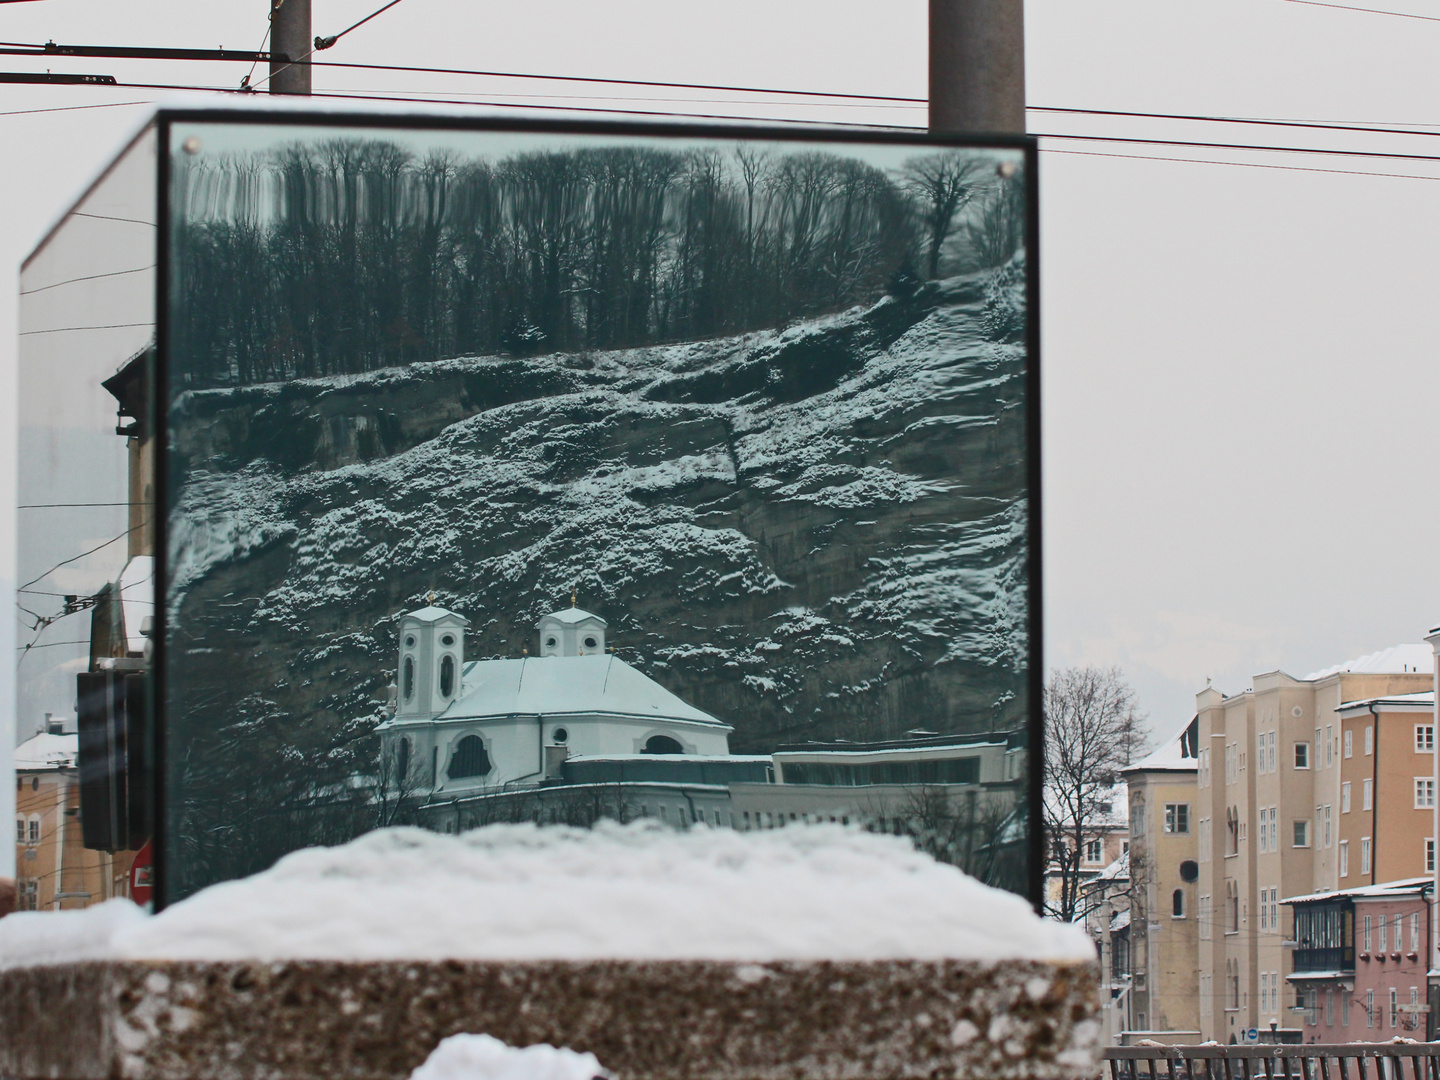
(45, 751)
(434, 614)
(572, 615)
(551, 685)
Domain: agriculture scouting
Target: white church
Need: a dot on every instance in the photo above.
(463, 728)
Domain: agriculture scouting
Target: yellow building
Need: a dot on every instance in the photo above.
(1164, 913)
(53, 870)
(1272, 791)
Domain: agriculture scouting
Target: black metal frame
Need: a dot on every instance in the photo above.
(166, 118)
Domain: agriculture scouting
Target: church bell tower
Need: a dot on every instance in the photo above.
(432, 656)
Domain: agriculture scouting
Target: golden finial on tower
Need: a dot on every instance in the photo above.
(430, 597)
(574, 591)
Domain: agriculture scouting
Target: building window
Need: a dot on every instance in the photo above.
(1329, 1007)
(1344, 858)
(19, 829)
(1424, 792)
(1345, 1007)
(1302, 832)
(447, 676)
(34, 837)
(1327, 827)
(661, 744)
(1094, 851)
(1232, 832)
(1205, 918)
(1370, 1008)
(1302, 755)
(469, 758)
(1137, 819)
(407, 679)
(1345, 797)
(1177, 817)
(27, 894)
(1430, 855)
(1349, 740)
(1232, 900)
(1367, 791)
(1414, 931)
(1177, 904)
(1369, 741)
(1264, 832)
(1270, 744)
(1365, 857)
(1260, 751)
(1367, 936)
(1384, 934)
(1394, 1007)
(1275, 909)
(1424, 738)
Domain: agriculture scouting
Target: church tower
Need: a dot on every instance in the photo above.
(432, 655)
(572, 631)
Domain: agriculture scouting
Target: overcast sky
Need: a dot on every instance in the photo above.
(1239, 360)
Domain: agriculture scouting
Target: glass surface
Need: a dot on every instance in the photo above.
(524, 476)
(86, 593)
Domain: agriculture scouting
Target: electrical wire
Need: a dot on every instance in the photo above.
(71, 281)
(91, 551)
(73, 108)
(327, 42)
(101, 326)
(1318, 125)
(1370, 11)
(1236, 164)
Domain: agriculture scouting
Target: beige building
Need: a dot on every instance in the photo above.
(1271, 806)
(1164, 894)
(54, 871)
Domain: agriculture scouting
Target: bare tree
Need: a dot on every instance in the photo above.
(942, 185)
(1092, 730)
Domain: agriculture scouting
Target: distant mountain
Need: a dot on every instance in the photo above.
(810, 532)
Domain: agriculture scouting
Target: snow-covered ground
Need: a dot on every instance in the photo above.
(482, 1057)
(522, 892)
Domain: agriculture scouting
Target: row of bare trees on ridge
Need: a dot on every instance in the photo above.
(353, 254)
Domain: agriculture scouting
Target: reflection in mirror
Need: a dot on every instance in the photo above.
(86, 536)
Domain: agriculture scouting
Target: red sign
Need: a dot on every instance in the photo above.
(142, 876)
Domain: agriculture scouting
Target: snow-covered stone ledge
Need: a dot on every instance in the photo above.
(803, 952)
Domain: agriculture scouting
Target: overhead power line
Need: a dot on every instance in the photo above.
(1317, 125)
(35, 49)
(326, 42)
(1369, 11)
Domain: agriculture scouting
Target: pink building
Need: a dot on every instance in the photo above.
(1359, 962)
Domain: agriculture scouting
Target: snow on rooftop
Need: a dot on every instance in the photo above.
(571, 615)
(527, 892)
(1395, 660)
(1173, 753)
(1423, 697)
(484, 1057)
(47, 751)
(433, 614)
(566, 686)
(1399, 887)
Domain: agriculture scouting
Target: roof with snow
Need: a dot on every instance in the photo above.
(434, 614)
(47, 752)
(1399, 887)
(1424, 698)
(571, 615)
(1396, 660)
(1175, 754)
(564, 686)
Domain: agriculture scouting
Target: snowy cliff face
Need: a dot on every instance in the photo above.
(812, 532)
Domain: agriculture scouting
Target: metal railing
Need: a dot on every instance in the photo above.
(1312, 1061)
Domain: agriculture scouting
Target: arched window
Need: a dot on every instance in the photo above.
(407, 678)
(469, 758)
(402, 761)
(447, 676)
(1177, 904)
(662, 744)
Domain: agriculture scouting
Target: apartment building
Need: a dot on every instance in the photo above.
(54, 871)
(1163, 879)
(1272, 784)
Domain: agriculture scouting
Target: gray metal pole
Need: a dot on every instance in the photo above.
(977, 66)
(290, 36)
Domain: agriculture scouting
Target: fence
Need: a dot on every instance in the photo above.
(1315, 1061)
